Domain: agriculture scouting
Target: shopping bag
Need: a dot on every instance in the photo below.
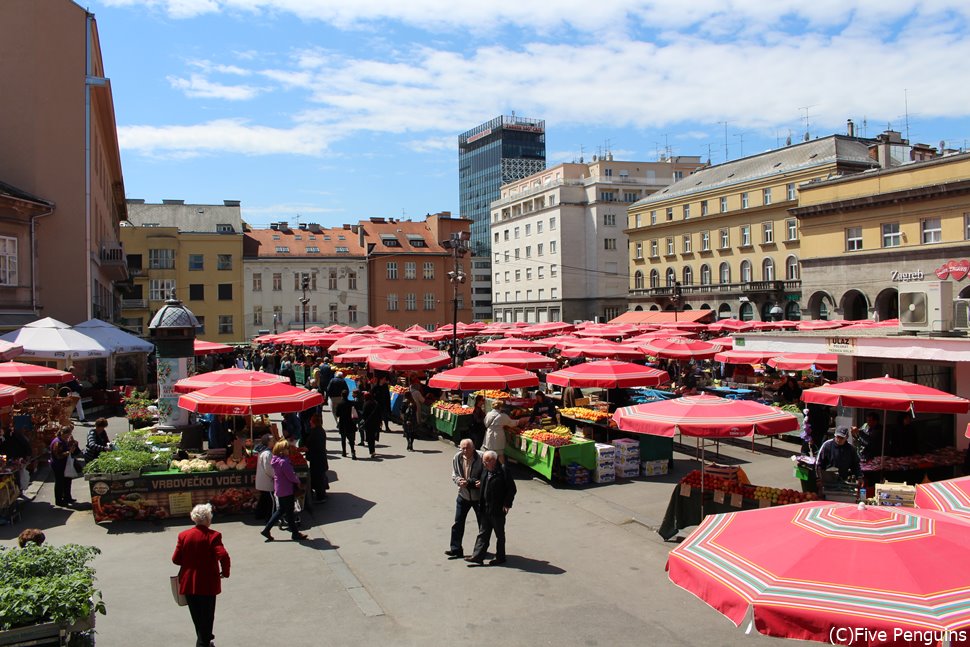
(69, 470)
(179, 598)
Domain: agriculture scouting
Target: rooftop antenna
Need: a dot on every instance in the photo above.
(788, 139)
(708, 153)
(725, 124)
(740, 137)
(865, 127)
(808, 134)
(581, 151)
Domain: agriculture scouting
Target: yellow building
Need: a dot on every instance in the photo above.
(866, 236)
(195, 251)
(723, 239)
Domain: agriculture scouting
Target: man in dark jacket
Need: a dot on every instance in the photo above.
(498, 492)
(466, 472)
(337, 392)
(839, 454)
(315, 441)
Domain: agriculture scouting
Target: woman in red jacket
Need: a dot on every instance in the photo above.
(204, 560)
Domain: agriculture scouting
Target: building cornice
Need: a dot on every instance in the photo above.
(902, 196)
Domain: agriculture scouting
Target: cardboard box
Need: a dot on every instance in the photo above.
(605, 450)
(605, 477)
(626, 446)
(655, 468)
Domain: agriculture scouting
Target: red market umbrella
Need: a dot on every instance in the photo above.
(607, 331)
(10, 395)
(386, 328)
(694, 326)
(824, 571)
(604, 349)
(399, 340)
(679, 348)
(805, 361)
(250, 397)
(647, 337)
(559, 341)
(516, 358)
(951, 495)
(351, 342)
(224, 376)
(358, 355)
(886, 393)
(17, 373)
(408, 359)
(608, 374)
(321, 340)
(818, 324)
(705, 416)
(511, 343)
(472, 377)
(731, 325)
(743, 356)
(210, 347)
(723, 342)
(775, 325)
(345, 330)
(9, 350)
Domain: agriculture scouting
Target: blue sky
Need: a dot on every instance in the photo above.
(337, 111)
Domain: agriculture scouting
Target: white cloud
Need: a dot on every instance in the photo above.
(433, 144)
(209, 67)
(199, 87)
(224, 136)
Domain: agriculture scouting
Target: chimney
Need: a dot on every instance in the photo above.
(303, 226)
(274, 226)
(346, 227)
(850, 128)
(284, 225)
(231, 203)
(314, 227)
(360, 237)
(378, 221)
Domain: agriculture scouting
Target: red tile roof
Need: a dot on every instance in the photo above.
(404, 232)
(263, 243)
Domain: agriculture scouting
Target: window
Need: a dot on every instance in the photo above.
(607, 196)
(767, 233)
(428, 270)
(744, 200)
(724, 204)
(282, 249)
(257, 282)
(609, 243)
(352, 314)
(725, 238)
(411, 301)
(703, 207)
(790, 191)
(746, 271)
(332, 279)
(224, 262)
(609, 219)
(687, 276)
(678, 175)
(390, 240)
(638, 249)
(225, 291)
(686, 211)
(630, 196)
(766, 196)
(853, 239)
(518, 295)
(277, 281)
(225, 229)
(554, 293)
(552, 247)
(541, 272)
(257, 315)
(196, 262)
(506, 234)
(539, 249)
(414, 239)
(276, 237)
(528, 274)
(196, 292)
(410, 270)
(538, 227)
(340, 249)
(890, 235)
(767, 270)
(542, 294)
(966, 226)
(392, 302)
(518, 275)
(638, 280)
(160, 289)
(931, 231)
(516, 235)
(745, 236)
(670, 213)
(506, 256)
(528, 230)
(724, 273)
(671, 277)
(654, 279)
(161, 259)
(312, 249)
(516, 254)
(705, 241)
(528, 251)
(351, 280)
(332, 315)
(201, 329)
(278, 314)
(528, 295)
(225, 324)
(670, 246)
(653, 217)
(791, 226)
(705, 274)
(496, 236)
(553, 270)
(429, 300)
(791, 269)
(654, 250)
(392, 269)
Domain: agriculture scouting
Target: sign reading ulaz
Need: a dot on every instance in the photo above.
(956, 270)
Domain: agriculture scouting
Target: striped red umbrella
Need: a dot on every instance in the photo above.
(886, 393)
(10, 395)
(472, 377)
(320, 340)
(560, 341)
(608, 374)
(20, 373)
(9, 350)
(250, 397)
(951, 495)
(680, 348)
(731, 325)
(604, 349)
(723, 342)
(210, 347)
(805, 361)
(408, 359)
(743, 356)
(511, 343)
(224, 376)
(351, 342)
(705, 416)
(607, 331)
(659, 334)
(358, 355)
(883, 571)
(516, 358)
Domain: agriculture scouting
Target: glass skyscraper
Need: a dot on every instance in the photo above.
(496, 152)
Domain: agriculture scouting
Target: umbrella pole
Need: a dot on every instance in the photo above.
(702, 480)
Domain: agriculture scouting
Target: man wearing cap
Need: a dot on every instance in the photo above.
(337, 392)
(838, 453)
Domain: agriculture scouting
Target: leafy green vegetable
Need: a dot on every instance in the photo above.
(47, 583)
(121, 461)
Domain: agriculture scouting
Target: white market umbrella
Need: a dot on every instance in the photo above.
(52, 339)
(114, 338)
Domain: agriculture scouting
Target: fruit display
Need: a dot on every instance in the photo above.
(940, 458)
(777, 496)
(559, 430)
(582, 413)
(397, 388)
(494, 394)
(455, 408)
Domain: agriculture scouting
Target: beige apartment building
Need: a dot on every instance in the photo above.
(723, 238)
(559, 248)
(194, 251)
(59, 144)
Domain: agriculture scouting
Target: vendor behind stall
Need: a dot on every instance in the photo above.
(868, 438)
(543, 408)
(789, 390)
(839, 454)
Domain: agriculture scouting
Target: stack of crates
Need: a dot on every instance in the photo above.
(576, 474)
(627, 460)
(605, 471)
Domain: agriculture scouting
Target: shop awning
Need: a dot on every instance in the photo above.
(659, 316)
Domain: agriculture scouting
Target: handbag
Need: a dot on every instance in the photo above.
(179, 597)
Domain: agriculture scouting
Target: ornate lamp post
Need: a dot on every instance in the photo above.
(172, 330)
(459, 247)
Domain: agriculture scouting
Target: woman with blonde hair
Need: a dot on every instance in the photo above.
(285, 486)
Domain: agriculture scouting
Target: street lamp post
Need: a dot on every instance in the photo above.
(675, 297)
(458, 244)
(305, 284)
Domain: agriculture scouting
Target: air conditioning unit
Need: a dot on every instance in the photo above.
(926, 306)
(961, 314)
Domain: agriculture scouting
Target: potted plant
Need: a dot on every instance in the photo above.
(137, 409)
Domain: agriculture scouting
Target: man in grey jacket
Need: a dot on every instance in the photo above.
(466, 473)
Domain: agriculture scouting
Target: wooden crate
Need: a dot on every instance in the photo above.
(896, 494)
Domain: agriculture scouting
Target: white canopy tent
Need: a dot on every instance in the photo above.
(113, 338)
(52, 339)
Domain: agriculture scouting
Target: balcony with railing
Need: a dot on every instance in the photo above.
(113, 261)
(722, 289)
(134, 304)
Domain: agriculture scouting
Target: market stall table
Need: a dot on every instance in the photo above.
(544, 459)
(451, 424)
